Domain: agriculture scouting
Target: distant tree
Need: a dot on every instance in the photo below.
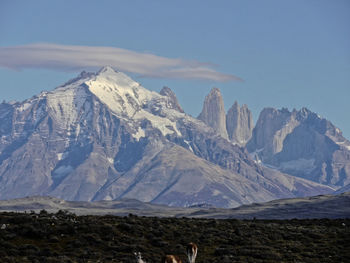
(43, 212)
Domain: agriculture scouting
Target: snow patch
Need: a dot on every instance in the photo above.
(59, 156)
(140, 133)
(216, 192)
(77, 130)
(65, 105)
(189, 145)
(108, 198)
(24, 106)
(164, 125)
(110, 160)
(255, 155)
(346, 146)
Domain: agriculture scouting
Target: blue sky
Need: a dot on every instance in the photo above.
(288, 53)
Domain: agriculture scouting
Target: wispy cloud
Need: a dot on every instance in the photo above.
(73, 58)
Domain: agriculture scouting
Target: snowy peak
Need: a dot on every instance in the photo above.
(108, 74)
(119, 92)
(107, 70)
(127, 99)
(123, 96)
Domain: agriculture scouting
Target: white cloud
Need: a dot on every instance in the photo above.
(72, 58)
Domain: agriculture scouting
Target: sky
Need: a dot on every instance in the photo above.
(271, 53)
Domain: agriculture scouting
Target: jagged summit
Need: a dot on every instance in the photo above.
(119, 78)
(215, 90)
(235, 126)
(118, 91)
(239, 124)
(107, 70)
(122, 95)
(165, 91)
(302, 143)
(106, 73)
(213, 112)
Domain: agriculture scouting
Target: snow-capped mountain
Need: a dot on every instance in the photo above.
(102, 136)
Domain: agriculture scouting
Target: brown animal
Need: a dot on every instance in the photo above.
(171, 259)
(191, 250)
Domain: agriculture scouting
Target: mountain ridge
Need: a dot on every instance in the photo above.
(104, 136)
(303, 144)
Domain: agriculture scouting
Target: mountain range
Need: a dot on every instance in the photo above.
(102, 136)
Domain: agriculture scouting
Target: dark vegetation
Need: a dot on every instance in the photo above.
(64, 237)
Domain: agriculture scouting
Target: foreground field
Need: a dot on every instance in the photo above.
(64, 237)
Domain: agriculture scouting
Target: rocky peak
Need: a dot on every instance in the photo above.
(239, 124)
(271, 129)
(173, 102)
(106, 70)
(108, 75)
(321, 125)
(213, 112)
(303, 144)
(83, 76)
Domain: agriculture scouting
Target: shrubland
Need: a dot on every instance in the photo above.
(65, 237)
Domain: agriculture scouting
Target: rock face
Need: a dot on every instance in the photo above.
(302, 144)
(173, 102)
(213, 112)
(270, 131)
(239, 124)
(102, 136)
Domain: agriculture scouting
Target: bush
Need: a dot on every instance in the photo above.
(114, 239)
